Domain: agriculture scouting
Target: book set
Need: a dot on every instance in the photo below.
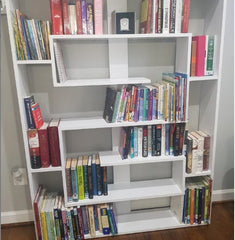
(43, 137)
(55, 221)
(76, 17)
(203, 55)
(31, 37)
(152, 140)
(160, 101)
(164, 16)
(198, 150)
(85, 178)
(197, 200)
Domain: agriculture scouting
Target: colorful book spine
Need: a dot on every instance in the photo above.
(37, 115)
(172, 16)
(65, 16)
(90, 19)
(84, 16)
(80, 179)
(210, 53)
(185, 21)
(56, 17)
(90, 182)
(79, 16)
(74, 180)
(105, 221)
(158, 139)
(105, 183)
(34, 148)
(28, 101)
(69, 224)
(145, 142)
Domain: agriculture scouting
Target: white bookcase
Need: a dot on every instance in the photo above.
(96, 61)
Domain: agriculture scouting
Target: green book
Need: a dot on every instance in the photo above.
(209, 61)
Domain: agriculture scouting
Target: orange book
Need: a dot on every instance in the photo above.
(192, 206)
(193, 59)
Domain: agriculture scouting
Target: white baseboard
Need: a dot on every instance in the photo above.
(223, 195)
(17, 216)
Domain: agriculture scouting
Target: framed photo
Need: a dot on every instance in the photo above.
(123, 22)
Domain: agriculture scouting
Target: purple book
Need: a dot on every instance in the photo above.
(137, 106)
(84, 16)
(150, 104)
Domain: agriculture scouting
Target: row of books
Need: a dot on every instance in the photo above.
(31, 37)
(76, 16)
(43, 136)
(197, 200)
(163, 101)
(85, 178)
(198, 152)
(171, 16)
(55, 221)
(203, 55)
(153, 140)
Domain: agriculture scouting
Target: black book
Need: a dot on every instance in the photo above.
(153, 141)
(128, 142)
(99, 176)
(145, 142)
(104, 177)
(109, 104)
(90, 186)
(176, 143)
(158, 139)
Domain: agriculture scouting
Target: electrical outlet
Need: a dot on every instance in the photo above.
(19, 176)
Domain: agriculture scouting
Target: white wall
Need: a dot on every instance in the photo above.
(224, 161)
(14, 198)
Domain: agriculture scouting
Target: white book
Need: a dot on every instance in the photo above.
(72, 19)
(178, 16)
(166, 16)
(61, 72)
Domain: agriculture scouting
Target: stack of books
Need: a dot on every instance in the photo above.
(153, 140)
(85, 178)
(31, 37)
(198, 152)
(197, 200)
(162, 101)
(53, 219)
(42, 136)
(76, 16)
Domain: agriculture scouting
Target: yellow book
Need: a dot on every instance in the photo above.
(81, 193)
(43, 220)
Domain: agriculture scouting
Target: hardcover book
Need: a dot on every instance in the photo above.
(145, 16)
(68, 179)
(54, 142)
(34, 148)
(37, 115)
(79, 16)
(28, 101)
(44, 145)
(186, 9)
(98, 16)
(65, 16)
(56, 17)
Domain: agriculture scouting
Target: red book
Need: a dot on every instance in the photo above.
(78, 16)
(56, 17)
(37, 115)
(65, 16)
(54, 142)
(44, 145)
(200, 54)
(34, 148)
(148, 24)
(185, 20)
(36, 212)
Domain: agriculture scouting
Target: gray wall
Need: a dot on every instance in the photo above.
(15, 198)
(224, 161)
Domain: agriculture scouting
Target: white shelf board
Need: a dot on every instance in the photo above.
(146, 221)
(204, 173)
(102, 82)
(203, 78)
(48, 169)
(34, 62)
(98, 122)
(134, 191)
(119, 36)
(112, 158)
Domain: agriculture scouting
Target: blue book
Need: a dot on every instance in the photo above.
(94, 176)
(28, 101)
(84, 220)
(132, 143)
(113, 218)
(184, 207)
(105, 221)
(32, 39)
(25, 37)
(95, 217)
(69, 224)
(141, 104)
(154, 106)
(167, 140)
(74, 179)
(135, 141)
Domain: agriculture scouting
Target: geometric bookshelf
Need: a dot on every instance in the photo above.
(140, 184)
